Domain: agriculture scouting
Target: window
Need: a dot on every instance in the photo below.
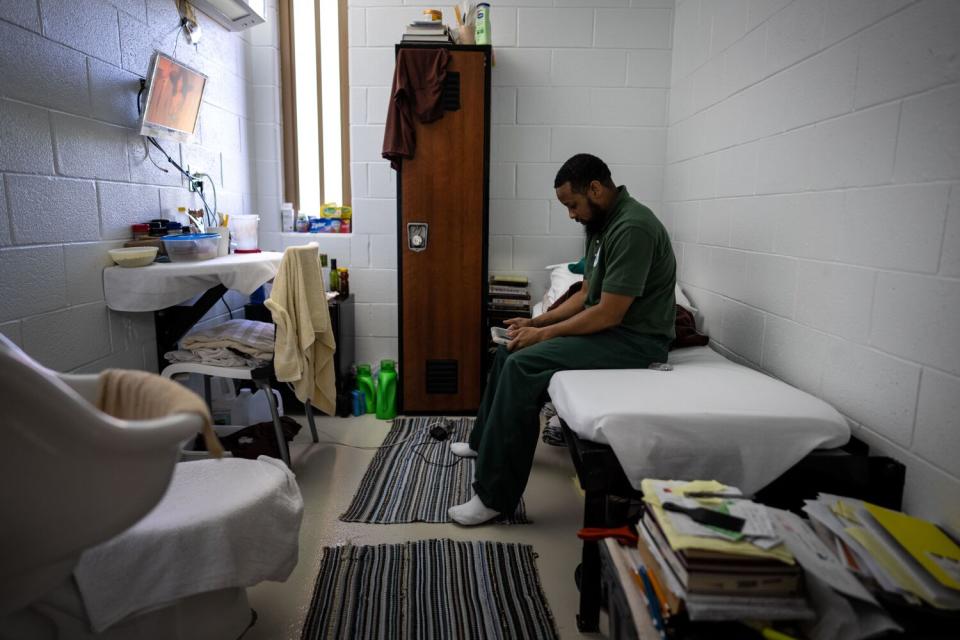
(314, 97)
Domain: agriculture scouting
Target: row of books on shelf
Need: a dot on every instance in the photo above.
(507, 297)
(691, 564)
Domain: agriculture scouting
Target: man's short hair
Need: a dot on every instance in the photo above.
(581, 170)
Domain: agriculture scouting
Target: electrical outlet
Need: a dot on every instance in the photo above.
(195, 184)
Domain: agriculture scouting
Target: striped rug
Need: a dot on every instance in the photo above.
(414, 478)
(429, 589)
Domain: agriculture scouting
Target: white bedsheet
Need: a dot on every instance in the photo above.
(709, 419)
(222, 524)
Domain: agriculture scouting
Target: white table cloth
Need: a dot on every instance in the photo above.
(708, 419)
(162, 285)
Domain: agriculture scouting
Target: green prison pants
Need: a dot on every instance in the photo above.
(507, 428)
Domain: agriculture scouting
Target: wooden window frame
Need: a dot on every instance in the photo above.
(288, 88)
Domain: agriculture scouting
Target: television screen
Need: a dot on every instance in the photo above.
(173, 100)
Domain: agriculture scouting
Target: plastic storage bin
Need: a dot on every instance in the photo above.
(194, 246)
(251, 408)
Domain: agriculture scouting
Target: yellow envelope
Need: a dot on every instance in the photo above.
(923, 540)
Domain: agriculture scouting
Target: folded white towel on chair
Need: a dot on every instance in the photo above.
(218, 357)
(222, 523)
(246, 336)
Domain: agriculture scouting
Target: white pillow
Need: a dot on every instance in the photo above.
(682, 300)
(560, 281)
(561, 278)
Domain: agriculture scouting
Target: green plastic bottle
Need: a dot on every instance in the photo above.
(365, 384)
(386, 391)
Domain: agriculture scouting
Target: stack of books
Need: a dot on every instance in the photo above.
(426, 31)
(692, 569)
(507, 297)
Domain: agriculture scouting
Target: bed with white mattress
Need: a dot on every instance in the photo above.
(708, 418)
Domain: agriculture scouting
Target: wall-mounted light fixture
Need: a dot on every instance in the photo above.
(235, 15)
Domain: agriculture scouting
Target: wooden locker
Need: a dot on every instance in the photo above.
(442, 284)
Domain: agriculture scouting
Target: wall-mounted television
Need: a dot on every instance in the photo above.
(174, 94)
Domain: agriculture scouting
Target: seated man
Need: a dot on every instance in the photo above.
(622, 318)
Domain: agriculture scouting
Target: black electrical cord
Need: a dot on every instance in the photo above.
(153, 141)
(210, 217)
(415, 448)
(146, 147)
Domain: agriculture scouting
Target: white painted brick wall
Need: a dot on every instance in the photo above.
(82, 336)
(52, 210)
(827, 157)
(25, 131)
(937, 407)
(42, 72)
(74, 173)
(570, 76)
(950, 260)
(94, 31)
(914, 317)
(88, 149)
(4, 222)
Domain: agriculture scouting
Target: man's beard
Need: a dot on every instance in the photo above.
(597, 218)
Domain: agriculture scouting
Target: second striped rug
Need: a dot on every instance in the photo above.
(429, 590)
(414, 478)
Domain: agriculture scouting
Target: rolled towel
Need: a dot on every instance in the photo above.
(137, 395)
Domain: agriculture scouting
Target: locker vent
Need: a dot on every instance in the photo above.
(450, 96)
(442, 376)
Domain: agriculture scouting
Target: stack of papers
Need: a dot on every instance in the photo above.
(715, 573)
(891, 550)
(757, 538)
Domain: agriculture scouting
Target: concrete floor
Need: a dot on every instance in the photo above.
(328, 476)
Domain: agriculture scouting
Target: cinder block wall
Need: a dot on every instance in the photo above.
(73, 170)
(813, 190)
(579, 76)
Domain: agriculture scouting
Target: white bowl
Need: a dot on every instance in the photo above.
(134, 256)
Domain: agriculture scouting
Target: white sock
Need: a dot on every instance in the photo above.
(471, 513)
(462, 449)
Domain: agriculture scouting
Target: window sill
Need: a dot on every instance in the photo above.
(297, 234)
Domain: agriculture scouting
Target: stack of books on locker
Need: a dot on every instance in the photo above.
(426, 31)
(507, 297)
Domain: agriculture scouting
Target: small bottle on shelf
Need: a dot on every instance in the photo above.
(334, 276)
(344, 277)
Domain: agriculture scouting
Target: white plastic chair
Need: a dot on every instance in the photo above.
(72, 476)
(261, 379)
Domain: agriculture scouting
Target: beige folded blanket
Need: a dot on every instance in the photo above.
(250, 337)
(128, 394)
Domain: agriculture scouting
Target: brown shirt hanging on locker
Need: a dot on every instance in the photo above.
(417, 88)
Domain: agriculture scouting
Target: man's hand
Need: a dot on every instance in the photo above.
(518, 323)
(524, 337)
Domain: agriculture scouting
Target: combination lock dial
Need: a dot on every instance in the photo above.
(417, 236)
